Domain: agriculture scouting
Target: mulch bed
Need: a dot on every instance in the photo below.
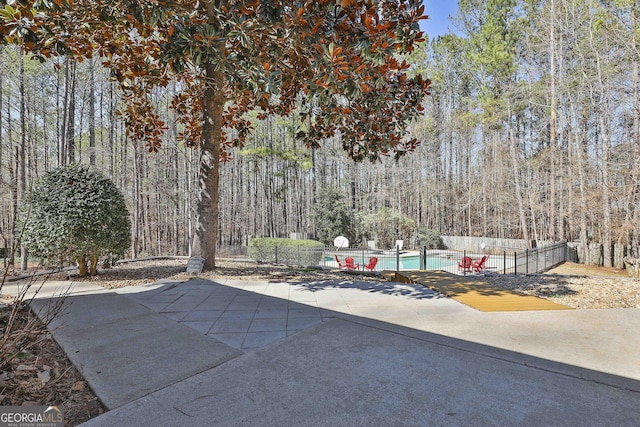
(34, 370)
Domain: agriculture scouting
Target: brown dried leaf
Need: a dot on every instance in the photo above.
(78, 386)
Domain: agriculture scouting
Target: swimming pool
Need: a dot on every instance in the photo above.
(388, 262)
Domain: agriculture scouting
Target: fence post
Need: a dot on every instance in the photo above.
(324, 258)
(299, 263)
(363, 264)
(423, 258)
(515, 263)
(504, 262)
(464, 255)
(276, 254)
(397, 257)
(526, 270)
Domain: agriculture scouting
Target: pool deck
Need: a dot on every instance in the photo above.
(342, 352)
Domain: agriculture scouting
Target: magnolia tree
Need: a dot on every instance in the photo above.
(76, 215)
(336, 64)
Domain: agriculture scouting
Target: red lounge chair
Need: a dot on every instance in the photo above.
(465, 264)
(479, 264)
(372, 264)
(351, 265)
(340, 264)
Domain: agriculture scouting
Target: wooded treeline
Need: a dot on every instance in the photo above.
(532, 131)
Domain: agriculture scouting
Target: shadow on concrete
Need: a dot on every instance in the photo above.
(346, 371)
(410, 290)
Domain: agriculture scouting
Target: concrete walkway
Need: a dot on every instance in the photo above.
(344, 353)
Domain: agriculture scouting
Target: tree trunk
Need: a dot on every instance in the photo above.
(606, 193)
(22, 172)
(581, 156)
(66, 150)
(135, 224)
(515, 162)
(71, 115)
(92, 114)
(634, 200)
(553, 130)
(93, 265)
(206, 232)
(82, 266)
(12, 162)
(1, 120)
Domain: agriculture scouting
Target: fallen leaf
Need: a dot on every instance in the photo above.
(78, 386)
(44, 376)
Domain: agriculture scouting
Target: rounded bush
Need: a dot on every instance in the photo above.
(76, 215)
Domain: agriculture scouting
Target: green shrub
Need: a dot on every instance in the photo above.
(430, 238)
(386, 226)
(285, 251)
(76, 215)
(333, 217)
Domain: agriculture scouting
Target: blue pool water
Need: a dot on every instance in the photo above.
(407, 262)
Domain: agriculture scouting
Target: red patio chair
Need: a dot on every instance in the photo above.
(465, 264)
(479, 264)
(350, 263)
(340, 264)
(372, 264)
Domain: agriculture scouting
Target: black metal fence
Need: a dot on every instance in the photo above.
(459, 262)
(540, 259)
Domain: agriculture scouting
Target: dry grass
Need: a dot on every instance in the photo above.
(573, 269)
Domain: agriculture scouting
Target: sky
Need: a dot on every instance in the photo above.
(438, 11)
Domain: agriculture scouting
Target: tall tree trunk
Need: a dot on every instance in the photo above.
(553, 130)
(92, 114)
(206, 233)
(61, 117)
(635, 143)
(22, 171)
(581, 155)
(606, 192)
(1, 127)
(602, 107)
(71, 114)
(13, 178)
(112, 131)
(135, 224)
(66, 147)
(515, 162)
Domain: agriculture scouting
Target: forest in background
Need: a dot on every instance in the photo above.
(532, 131)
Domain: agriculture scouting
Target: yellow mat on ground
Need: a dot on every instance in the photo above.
(475, 292)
